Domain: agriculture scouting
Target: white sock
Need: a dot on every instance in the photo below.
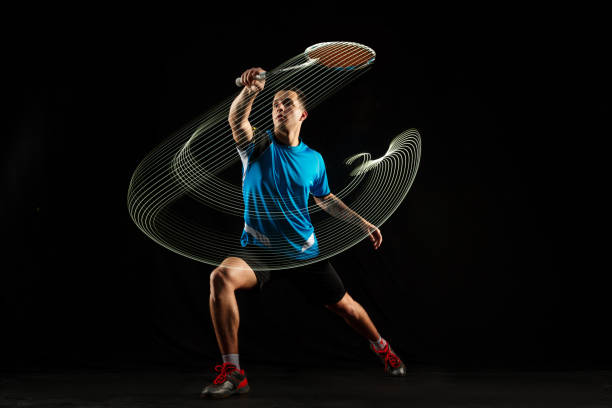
(232, 359)
(379, 344)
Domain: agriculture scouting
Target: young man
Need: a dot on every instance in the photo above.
(279, 173)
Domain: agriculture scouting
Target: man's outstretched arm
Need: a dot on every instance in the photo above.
(241, 106)
(336, 208)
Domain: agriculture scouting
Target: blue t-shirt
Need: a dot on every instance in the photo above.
(276, 182)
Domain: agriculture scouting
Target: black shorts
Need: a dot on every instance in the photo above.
(318, 281)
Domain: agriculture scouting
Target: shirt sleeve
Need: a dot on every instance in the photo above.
(320, 187)
(245, 152)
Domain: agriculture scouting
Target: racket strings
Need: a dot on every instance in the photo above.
(343, 55)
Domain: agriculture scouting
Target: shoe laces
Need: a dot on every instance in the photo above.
(223, 371)
(390, 357)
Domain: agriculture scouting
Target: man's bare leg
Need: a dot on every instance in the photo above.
(231, 275)
(355, 316)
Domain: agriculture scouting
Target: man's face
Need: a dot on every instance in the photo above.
(287, 112)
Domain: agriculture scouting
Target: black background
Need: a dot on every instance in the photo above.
(488, 262)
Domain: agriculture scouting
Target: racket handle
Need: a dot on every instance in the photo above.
(258, 76)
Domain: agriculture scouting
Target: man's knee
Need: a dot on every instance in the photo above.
(220, 279)
(345, 307)
(232, 274)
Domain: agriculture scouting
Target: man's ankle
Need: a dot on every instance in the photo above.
(232, 359)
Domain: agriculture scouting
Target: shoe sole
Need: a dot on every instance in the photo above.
(388, 374)
(240, 391)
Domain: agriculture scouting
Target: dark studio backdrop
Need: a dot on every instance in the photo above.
(479, 267)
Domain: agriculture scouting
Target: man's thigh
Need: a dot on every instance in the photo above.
(255, 258)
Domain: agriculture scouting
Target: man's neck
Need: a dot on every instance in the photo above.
(289, 138)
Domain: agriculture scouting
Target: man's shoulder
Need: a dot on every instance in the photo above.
(254, 148)
(261, 136)
(313, 152)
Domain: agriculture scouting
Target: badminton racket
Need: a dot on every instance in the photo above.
(335, 55)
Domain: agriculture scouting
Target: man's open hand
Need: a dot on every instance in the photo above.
(375, 234)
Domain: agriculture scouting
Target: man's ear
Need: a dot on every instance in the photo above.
(304, 115)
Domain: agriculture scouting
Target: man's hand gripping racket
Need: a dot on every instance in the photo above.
(254, 79)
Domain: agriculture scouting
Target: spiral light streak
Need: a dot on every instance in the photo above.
(193, 167)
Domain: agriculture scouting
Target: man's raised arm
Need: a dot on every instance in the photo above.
(241, 106)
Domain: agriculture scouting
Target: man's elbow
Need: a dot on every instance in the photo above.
(323, 201)
(242, 133)
(234, 122)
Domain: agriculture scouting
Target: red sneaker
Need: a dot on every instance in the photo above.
(230, 381)
(393, 365)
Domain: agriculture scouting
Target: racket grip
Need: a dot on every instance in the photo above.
(258, 76)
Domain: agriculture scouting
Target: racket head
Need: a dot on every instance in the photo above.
(341, 55)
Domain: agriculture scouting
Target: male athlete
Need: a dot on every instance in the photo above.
(279, 173)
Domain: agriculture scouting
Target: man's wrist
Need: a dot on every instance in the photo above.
(366, 226)
(249, 93)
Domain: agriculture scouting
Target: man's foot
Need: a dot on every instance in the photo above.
(393, 365)
(230, 381)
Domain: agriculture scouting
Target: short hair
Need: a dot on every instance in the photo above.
(301, 97)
